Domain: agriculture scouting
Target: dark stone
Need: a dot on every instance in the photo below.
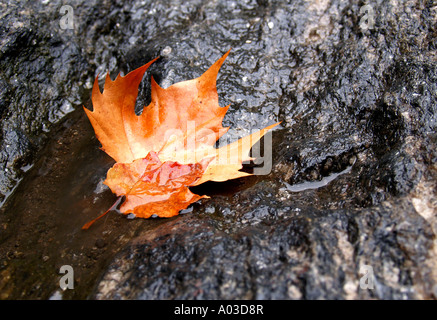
(353, 176)
(346, 97)
(43, 72)
(293, 257)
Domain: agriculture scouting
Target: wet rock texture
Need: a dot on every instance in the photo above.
(355, 87)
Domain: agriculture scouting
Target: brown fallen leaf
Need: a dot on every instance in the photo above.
(170, 146)
(152, 187)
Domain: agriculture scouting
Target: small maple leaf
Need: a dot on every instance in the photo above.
(170, 146)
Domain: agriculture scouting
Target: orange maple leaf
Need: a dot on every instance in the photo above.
(170, 146)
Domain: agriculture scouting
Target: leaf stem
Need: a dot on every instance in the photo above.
(88, 224)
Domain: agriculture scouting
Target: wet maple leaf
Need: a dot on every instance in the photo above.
(170, 146)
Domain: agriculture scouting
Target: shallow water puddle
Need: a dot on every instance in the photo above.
(41, 221)
(312, 185)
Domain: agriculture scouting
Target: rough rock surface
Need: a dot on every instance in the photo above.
(354, 164)
(300, 255)
(347, 97)
(43, 74)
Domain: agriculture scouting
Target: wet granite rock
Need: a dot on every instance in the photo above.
(301, 255)
(356, 103)
(353, 176)
(42, 81)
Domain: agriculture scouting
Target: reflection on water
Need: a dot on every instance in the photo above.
(308, 185)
